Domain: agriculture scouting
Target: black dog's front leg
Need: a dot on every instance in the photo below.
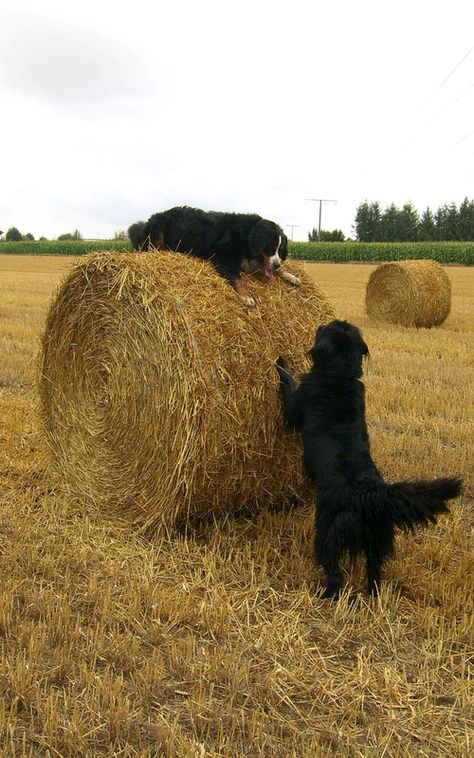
(289, 393)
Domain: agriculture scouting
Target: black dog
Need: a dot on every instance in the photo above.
(357, 511)
(233, 242)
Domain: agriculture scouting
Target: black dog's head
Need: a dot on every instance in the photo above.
(339, 349)
(268, 246)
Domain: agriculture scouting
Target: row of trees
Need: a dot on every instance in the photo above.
(336, 235)
(372, 224)
(405, 224)
(14, 235)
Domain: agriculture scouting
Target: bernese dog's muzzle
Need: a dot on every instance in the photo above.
(271, 263)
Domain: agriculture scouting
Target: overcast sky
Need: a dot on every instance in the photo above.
(112, 111)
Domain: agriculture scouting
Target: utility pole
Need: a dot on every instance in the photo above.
(319, 200)
(292, 226)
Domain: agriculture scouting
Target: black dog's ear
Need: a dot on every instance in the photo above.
(317, 344)
(358, 343)
(322, 349)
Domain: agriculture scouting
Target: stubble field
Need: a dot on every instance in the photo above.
(216, 643)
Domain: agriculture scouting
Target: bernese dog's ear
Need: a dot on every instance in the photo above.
(258, 239)
(284, 247)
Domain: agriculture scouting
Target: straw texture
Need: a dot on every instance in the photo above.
(158, 390)
(409, 293)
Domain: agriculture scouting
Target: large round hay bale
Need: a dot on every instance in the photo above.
(158, 389)
(409, 293)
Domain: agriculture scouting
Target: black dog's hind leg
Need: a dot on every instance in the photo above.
(328, 556)
(328, 553)
(376, 549)
(374, 572)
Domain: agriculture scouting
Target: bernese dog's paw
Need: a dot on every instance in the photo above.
(248, 301)
(290, 278)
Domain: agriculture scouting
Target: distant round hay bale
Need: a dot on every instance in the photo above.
(158, 390)
(409, 293)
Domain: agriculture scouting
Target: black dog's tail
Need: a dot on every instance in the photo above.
(136, 234)
(413, 503)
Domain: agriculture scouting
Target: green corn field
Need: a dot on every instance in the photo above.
(345, 252)
(339, 252)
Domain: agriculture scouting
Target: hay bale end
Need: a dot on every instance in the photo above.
(159, 395)
(409, 293)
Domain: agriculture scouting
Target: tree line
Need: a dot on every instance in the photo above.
(448, 223)
(14, 235)
(337, 235)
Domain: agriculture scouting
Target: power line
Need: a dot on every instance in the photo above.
(410, 135)
(463, 138)
(452, 72)
(465, 93)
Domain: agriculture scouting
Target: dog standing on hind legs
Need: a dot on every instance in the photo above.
(357, 511)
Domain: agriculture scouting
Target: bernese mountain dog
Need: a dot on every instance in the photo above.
(232, 242)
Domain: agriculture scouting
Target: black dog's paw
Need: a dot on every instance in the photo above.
(331, 594)
(282, 367)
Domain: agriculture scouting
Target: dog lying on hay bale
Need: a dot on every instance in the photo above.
(232, 242)
(159, 397)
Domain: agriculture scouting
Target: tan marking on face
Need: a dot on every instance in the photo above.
(274, 261)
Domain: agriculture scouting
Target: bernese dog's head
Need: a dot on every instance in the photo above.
(268, 247)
